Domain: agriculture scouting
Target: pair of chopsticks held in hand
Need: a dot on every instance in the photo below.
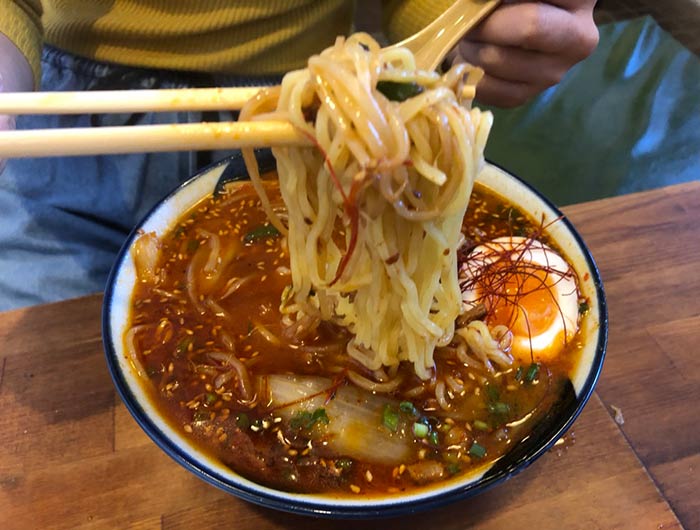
(139, 138)
(430, 45)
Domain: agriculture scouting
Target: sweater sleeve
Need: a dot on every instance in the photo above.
(20, 21)
(402, 18)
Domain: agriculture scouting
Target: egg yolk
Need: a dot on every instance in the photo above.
(528, 288)
(526, 305)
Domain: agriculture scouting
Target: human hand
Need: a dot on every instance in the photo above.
(526, 47)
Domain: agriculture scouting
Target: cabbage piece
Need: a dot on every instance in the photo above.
(355, 427)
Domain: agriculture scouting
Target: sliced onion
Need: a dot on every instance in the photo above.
(236, 283)
(131, 352)
(146, 253)
(266, 334)
(244, 385)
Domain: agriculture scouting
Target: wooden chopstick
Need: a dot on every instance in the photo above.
(148, 138)
(115, 101)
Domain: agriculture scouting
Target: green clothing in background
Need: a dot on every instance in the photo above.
(624, 120)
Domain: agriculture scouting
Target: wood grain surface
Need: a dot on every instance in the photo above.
(71, 456)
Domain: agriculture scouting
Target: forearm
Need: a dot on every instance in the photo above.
(15, 72)
(15, 76)
(21, 39)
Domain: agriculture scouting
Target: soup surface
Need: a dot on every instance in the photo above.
(293, 411)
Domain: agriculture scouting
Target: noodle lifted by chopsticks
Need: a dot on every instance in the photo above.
(375, 209)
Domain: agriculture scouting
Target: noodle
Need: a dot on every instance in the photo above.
(375, 207)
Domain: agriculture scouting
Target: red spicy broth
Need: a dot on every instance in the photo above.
(209, 337)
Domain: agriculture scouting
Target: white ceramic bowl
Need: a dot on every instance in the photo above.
(175, 443)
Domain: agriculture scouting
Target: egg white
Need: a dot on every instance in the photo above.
(547, 344)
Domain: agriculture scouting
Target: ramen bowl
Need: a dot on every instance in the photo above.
(176, 442)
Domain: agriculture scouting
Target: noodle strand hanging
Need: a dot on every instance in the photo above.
(375, 207)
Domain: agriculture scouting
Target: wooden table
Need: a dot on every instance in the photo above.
(71, 456)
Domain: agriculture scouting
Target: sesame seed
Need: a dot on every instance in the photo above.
(354, 488)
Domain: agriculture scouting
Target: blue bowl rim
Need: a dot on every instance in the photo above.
(342, 511)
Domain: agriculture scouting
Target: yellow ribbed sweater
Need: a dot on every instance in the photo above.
(247, 37)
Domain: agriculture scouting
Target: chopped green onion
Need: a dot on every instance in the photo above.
(481, 425)
(305, 420)
(242, 421)
(183, 346)
(408, 408)
(420, 430)
(343, 463)
(583, 308)
(453, 468)
(192, 245)
(299, 420)
(210, 398)
(477, 450)
(532, 372)
(499, 407)
(514, 214)
(390, 418)
(261, 232)
(519, 373)
(492, 392)
(398, 91)
(433, 438)
(320, 415)
(201, 415)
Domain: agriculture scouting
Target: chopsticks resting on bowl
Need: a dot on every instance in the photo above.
(139, 138)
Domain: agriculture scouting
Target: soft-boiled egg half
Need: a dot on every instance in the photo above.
(527, 287)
